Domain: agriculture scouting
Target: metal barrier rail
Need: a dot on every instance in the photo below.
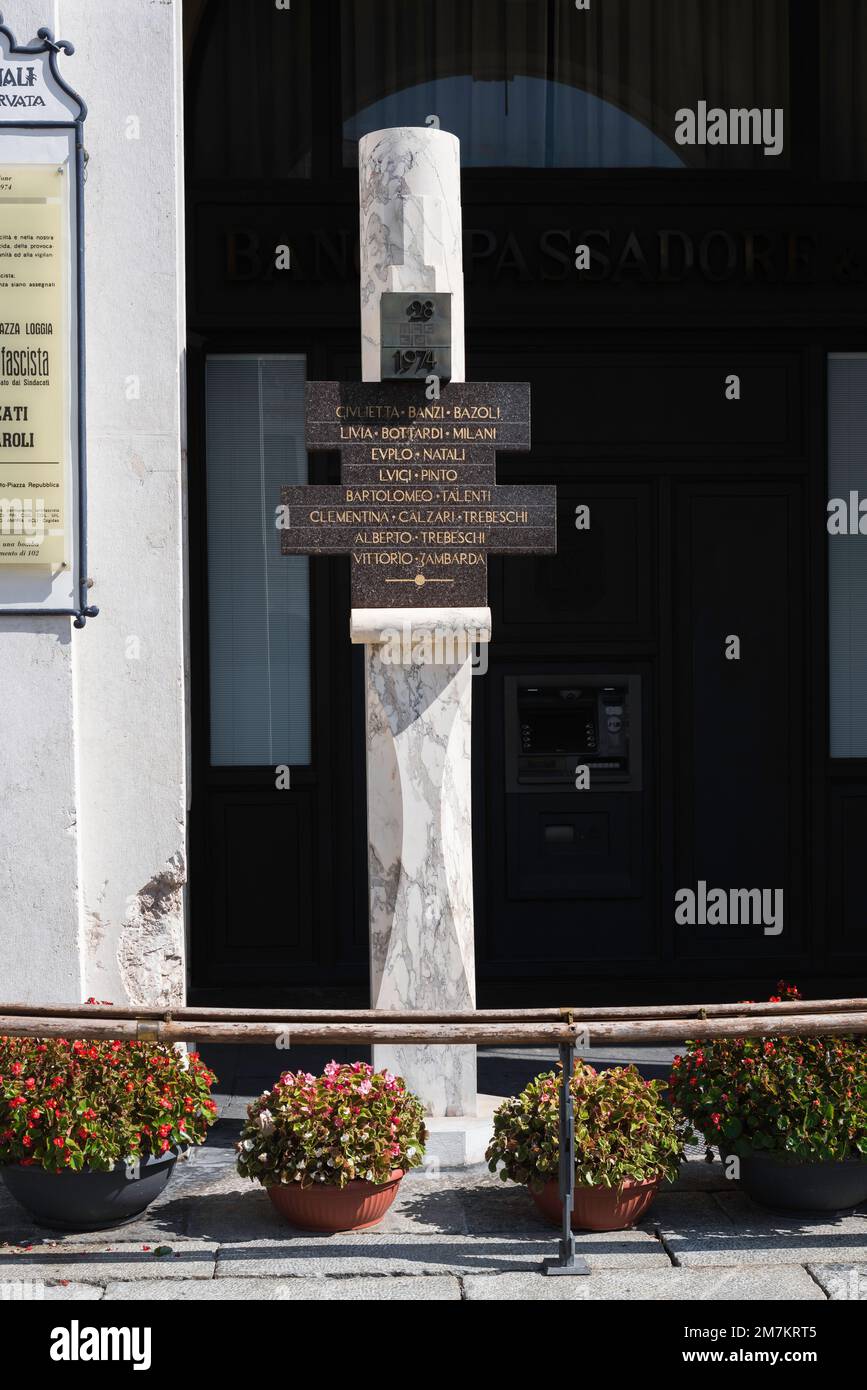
(657, 1024)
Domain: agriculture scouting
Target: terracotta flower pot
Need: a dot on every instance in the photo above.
(322, 1208)
(599, 1208)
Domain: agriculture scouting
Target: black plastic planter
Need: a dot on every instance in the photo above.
(805, 1187)
(90, 1200)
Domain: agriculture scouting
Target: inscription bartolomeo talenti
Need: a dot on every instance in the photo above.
(418, 509)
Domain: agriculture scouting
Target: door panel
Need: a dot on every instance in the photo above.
(275, 869)
(740, 729)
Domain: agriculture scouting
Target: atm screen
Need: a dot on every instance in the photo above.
(554, 722)
(559, 731)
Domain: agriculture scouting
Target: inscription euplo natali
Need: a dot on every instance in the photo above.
(418, 502)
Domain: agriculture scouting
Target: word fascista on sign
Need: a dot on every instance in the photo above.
(34, 385)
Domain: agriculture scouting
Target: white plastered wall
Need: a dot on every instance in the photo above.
(93, 820)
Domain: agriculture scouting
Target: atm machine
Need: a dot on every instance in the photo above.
(560, 730)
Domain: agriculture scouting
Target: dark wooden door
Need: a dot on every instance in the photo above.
(278, 873)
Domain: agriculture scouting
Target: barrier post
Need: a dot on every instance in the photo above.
(567, 1262)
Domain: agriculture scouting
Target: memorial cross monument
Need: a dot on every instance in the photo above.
(418, 511)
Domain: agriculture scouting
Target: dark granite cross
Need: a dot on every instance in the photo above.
(418, 508)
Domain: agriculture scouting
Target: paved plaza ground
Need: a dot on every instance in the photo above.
(450, 1235)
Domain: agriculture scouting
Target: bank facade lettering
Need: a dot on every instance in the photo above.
(663, 256)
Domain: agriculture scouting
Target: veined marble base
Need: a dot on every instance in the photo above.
(460, 1141)
(419, 830)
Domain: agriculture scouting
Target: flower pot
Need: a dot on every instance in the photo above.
(89, 1200)
(599, 1208)
(322, 1208)
(774, 1181)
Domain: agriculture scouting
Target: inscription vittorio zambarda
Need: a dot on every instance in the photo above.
(418, 509)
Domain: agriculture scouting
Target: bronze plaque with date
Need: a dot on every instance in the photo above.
(415, 336)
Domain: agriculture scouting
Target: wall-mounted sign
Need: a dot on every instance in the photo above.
(34, 366)
(43, 522)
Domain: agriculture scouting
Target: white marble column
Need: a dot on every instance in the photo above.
(409, 181)
(418, 681)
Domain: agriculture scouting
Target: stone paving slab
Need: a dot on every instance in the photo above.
(842, 1282)
(112, 1261)
(475, 1202)
(672, 1285)
(657, 1285)
(159, 1226)
(434, 1289)
(66, 1291)
(369, 1253)
(234, 1108)
(229, 1216)
(727, 1228)
(699, 1176)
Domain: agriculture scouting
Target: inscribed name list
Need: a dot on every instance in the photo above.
(419, 504)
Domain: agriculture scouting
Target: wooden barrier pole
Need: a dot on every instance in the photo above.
(289, 1033)
(632, 1012)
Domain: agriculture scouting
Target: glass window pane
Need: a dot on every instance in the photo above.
(251, 93)
(259, 603)
(847, 556)
(534, 83)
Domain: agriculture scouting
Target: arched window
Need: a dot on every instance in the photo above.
(528, 122)
(538, 83)
(523, 83)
